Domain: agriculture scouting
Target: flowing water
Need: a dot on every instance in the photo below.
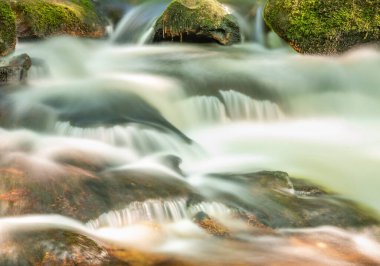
(185, 113)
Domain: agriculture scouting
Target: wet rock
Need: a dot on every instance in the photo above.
(14, 71)
(7, 28)
(77, 192)
(44, 18)
(210, 225)
(197, 21)
(278, 201)
(254, 223)
(324, 27)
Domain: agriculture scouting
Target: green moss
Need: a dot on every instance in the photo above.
(47, 17)
(184, 15)
(200, 17)
(328, 26)
(7, 28)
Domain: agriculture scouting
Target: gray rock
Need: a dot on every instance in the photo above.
(14, 71)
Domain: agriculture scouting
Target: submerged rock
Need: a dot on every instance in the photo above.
(15, 70)
(44, 18)
(197, 21)
(7, 28)
(324, 27)
(108, 108)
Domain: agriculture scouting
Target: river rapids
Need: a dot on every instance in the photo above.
(140, 149)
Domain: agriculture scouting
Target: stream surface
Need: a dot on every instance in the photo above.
(185, 114)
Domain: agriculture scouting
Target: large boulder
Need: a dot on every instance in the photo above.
(324, 27)
(44, 18)
(7, 28)
(197, 21)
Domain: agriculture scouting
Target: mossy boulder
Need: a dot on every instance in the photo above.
(197, 21)
(324, 27)
(7, 28)
(44, 18)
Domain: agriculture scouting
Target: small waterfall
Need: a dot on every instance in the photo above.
(206, 109)
(158, 211)
(137, 23)
(242, 107)
(142, 139)
(148, 211)
(234, 106)
(259, 35)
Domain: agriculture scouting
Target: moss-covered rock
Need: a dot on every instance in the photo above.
(324, 27)
(7, 28)
(43, 18)
(197, 21)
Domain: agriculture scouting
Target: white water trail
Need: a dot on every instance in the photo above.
(311, 246)
(142, 140)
